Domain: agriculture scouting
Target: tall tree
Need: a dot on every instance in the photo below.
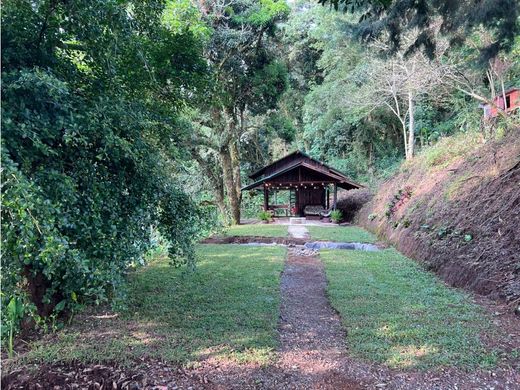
(91, 90)
(394, 19)
(246, 80)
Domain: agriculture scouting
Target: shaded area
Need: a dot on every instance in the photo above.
(314, 351)
(227, 309)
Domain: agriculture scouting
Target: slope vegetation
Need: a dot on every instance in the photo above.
(456, 208)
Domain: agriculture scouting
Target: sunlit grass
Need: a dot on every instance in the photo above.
(397, 314)
(263, 230)
(341, 234)
(227, 309)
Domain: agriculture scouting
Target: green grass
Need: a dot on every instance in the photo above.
(264, 230)
(340, 234)
(397, 314)
(447, 149)
(228, 309)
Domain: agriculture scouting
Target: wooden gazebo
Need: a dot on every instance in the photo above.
(309, 181)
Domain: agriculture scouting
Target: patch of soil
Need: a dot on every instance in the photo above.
(462, 221)
(312, 338)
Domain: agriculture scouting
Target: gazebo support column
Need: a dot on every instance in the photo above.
(335, 196)
(266, 198)
(327, 197)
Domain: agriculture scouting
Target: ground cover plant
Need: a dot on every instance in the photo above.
(228, 308)
(397, 314)
(340, 234)
(257, 230)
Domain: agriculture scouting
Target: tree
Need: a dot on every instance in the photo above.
(397, 83)
(459, 19)
(246, 80)
(91, 90)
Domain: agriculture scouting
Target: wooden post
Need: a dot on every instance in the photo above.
(266, 198)
(335, 196)
(327, 194)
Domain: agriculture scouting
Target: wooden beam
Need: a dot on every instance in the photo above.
(266, 198)
(299, 183)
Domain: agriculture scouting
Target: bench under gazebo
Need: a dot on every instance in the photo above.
(311, 185)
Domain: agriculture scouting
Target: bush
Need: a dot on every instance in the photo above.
(264, 216)
(79, 197)
(352, 202)
(335, 216)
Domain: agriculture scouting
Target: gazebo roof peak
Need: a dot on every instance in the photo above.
(299, 167)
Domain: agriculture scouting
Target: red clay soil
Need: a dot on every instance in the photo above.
(461, 221)
(313, 355)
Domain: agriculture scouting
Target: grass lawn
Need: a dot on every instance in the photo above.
(264, 230)
(227, 308)
(341, 234)
(397, 314)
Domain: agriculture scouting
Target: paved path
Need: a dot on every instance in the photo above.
(298, 231)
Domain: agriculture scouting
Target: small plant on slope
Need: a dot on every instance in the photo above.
(398, 200)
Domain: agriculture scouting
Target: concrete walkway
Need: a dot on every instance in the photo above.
(298, 231)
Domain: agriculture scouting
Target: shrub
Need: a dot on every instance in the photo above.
(352, 201)
(336, 216)
(79, 197)
(264, 216)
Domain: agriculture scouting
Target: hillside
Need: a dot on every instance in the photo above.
(456, 208)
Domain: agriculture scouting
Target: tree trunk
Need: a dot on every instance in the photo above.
(235, 161)
(503, 94)
(411, 127)
(229, 184)
(405, 138)
(215, 178)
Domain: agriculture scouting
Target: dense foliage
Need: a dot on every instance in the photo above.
(362, 111)
(91, 91)
(247, 81)
(454, 18)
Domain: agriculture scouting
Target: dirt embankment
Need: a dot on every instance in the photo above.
(456, 208)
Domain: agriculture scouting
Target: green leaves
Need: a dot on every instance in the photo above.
(268, 11)
(89, 145)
